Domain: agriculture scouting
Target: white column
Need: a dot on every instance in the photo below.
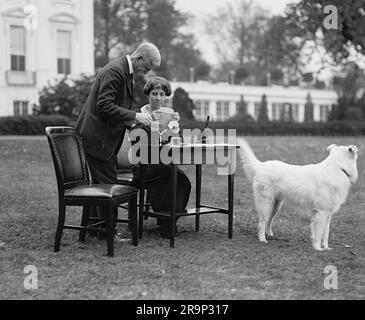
(251, 109)
(301, 113)
(213, 110)
(316, 113)
(232, 109)
(269, 111)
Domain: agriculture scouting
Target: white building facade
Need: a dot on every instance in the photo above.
(221, 101)
(42, 41)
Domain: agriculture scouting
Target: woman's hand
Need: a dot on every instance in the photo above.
(156, 115)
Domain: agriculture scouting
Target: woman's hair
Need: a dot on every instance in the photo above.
(157, 83)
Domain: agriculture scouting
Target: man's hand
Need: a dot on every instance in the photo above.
(143, 119)
(177, 117)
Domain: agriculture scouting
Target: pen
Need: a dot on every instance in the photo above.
(207, 123)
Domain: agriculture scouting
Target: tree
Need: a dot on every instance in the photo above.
(347, 88)
(263, 114)
(139, 97)
(123, 25)
(277, 50)
(184, 56)
(308, 77)
(321, 85)
(183, 104)
(117, 22)
(307, 20)
(361, 104)
(202, 70)
(277, 75)
(251, 39)
(235, 38)
(178, 49)
(57, 99)
(65, 97)
(240, 75)
(353, 114)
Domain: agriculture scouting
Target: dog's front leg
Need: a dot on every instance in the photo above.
(326, 232)
(264, 208)
(318, 224)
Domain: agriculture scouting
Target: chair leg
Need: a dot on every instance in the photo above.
(147, 206)
(110, 228)
(130, 225)
(61, 223)
(141, 215)
(132, 212)
(84, 222)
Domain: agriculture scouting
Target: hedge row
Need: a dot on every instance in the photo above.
(267, 128)
(30, 125)
(35, 125)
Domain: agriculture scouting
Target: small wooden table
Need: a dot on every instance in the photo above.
(199, 155)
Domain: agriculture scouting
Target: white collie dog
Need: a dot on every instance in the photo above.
(320, 188)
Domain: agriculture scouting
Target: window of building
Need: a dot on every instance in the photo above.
(219, 111)
(289, 112)
(257, 109)
(238, 107)
(226, 111)
(206, 108)
(324, 110)
(17, 48)
(222, 110)
(21, 108)
(64, 51)
(295, 111)
(198, 109)
(276, 111)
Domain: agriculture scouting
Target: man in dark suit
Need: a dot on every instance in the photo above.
(107, 112)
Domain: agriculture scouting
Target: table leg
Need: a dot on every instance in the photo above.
(141, 199)
(173, 204)
(198, 195)
(230, 205)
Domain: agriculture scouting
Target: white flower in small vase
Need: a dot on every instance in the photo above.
(174, 127)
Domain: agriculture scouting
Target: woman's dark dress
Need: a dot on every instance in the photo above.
(158, 185)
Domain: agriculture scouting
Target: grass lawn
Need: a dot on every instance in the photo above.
(204, 265)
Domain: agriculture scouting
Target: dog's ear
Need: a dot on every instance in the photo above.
(354, 150)
(329, 148)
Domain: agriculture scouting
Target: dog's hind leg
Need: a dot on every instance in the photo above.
(318, 224)
(326, 232)
(264, 209)
(277, 206)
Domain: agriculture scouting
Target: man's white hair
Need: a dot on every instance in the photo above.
(150, 53)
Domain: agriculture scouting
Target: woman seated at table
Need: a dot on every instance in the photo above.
(158, 177)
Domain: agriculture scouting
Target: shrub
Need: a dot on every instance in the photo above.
(183, 104)
(353, 114)
(268, 128)
(30, 125)
(66, 97)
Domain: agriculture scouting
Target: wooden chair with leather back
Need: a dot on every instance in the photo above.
(75, 188)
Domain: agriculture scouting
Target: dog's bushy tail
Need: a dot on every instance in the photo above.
(248, 158)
